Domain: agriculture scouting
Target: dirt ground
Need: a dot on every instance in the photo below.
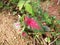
(8, 35)
(52, 8)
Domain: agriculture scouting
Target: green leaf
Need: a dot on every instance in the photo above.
(29, 9)
(48, 21)
(20, 4)
(46, 16)
(53, 34)
(47, 39)
(58, 21)
(58, 42)
(53, 17)
(28, 1)
(58, 33)
(1, 4)
(13, 1)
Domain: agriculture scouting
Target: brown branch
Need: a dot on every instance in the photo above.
(43, 41)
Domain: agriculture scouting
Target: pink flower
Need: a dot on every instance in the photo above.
(24, 34)
(31, 22)
(16, 25)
